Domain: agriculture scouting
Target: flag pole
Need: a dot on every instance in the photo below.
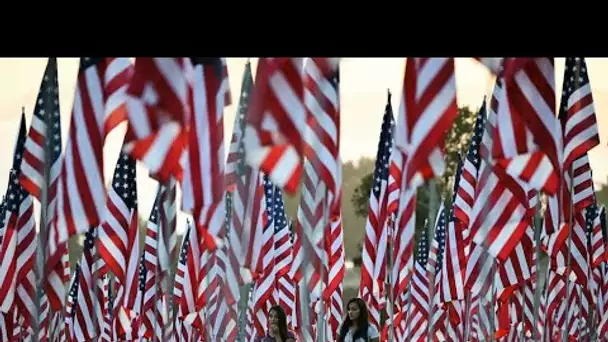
(570, 219)
(245, 292)
(537, 289)
(168, 278)
(41, 250)
(157, 274)
(466, 318)
(432, 215)
(321, 323)
(44, 215)
(389, 276)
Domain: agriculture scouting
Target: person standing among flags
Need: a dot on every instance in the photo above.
(356, 327)
(277, 329)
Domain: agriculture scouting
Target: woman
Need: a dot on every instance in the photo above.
(356, 327)
(277, 327)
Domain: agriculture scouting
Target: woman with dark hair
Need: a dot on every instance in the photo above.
(356, 327)
(277, 327)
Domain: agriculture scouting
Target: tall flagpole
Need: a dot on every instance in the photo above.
(389, 276)
(44, 215)
(321, 323)
(537, 289)
(432, 215)
(570, 219)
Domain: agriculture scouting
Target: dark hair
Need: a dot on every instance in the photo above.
(362, 321)
(282, 320)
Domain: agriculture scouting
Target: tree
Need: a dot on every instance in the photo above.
(457, 140)
(601, 196)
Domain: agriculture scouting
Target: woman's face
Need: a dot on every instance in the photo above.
(353, 311)
(273, 317)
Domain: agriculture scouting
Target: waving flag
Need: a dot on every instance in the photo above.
(17, 251)
(120, 220)
(81, 192)
(373, 269)
(276, 122)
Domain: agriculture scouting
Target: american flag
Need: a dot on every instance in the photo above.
(278, 103)
(106, 334)
(188, 272)
(595, 234)
(428, 108)
(168, 222)
(285, 286)
(47, 108)
(577, 112)
(223, 304)
(497, 196)
(514, 149)
(88, 316)
(120, 219)
(247, 215)
(310, 228)
(265, 281)
(465, 192)
(180, 282)
(434, 271)
(228, 262)
(336, 270)
(118, 241)
(236, 150)
(152, 317)
(32, 167)
(418, 315)
(455, 260)
(322, 102)
(530, 92)
(70, 307)
(602, 283)
(189, 323)
(373, 270)
(203, 165)
(81, 192)
(19, 242)
(157, 106)
(3, 212)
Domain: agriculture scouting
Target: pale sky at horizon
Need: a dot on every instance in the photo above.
(363, 86)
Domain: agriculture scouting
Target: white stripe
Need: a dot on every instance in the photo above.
(289, 100)
(174, 75)
(201, 118)
(94, 176)
(535, 99)
(432, 114)
(427, 73)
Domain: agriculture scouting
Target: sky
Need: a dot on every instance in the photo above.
(363, 90)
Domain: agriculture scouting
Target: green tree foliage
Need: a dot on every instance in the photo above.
(601, 195)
